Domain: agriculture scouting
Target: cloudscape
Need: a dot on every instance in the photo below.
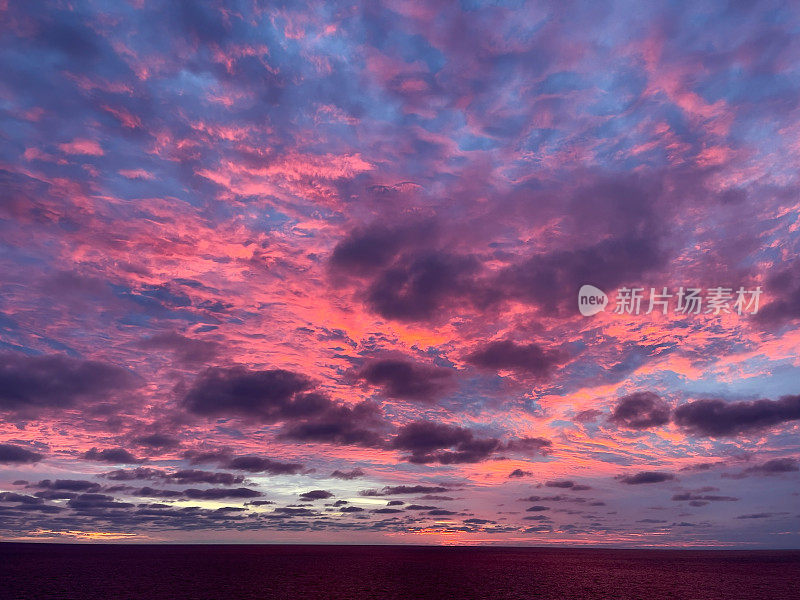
(491, 273)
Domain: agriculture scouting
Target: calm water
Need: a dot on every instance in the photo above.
(387, 572)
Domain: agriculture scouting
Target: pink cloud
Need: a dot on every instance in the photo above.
(82, 146)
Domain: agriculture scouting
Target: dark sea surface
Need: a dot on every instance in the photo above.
(162, 572)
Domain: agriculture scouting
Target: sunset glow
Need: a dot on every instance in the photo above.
(310, 273)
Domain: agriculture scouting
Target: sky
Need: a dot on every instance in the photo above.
(311, 272)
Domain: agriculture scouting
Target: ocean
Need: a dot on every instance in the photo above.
(229, 572)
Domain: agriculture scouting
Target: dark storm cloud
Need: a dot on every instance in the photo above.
(401, 378)
(784, 292)
(430, 442)
(221, 493)
(588, 416)
(250, 463)
(519, 473)
(562, 498)
(258, 464)
(29, 383)
(717, 418)
(20, 498)
(523, 359)
(187, 476)
(93, 502)
(134, 474)
(316, 495)
(537, 518)
(651, 521)
(188, 517)
(23, 511)
(149, 492)
(204, 457)
(529, 446)
(22, 504)
(290, 510)
(688, 496)
(640, 410)
(407, 283)
(478, 521)
(420, 287)
(70, 485)
(11, 454)
(392, 490)
(352, 474)
(402, 276)
(203, 24)
(186, 350)
(567, 484)
(774, 466)
(359, 425)
(72, 38)
(563, 483)
(267, 396)
(619, 214)
(111, 455)
(646, 477)
(279, 395)
(406, 279)
(55, 495)
(157, 440)
(183, 476)
(365, 250)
